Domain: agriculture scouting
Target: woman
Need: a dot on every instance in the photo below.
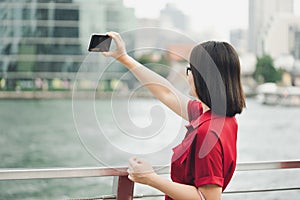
(203, 164)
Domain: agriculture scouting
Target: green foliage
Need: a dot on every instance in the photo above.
(156, 63)
(265, 70)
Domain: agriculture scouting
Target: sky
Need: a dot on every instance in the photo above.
(216, 15)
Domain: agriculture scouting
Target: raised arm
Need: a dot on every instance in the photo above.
(160, 87)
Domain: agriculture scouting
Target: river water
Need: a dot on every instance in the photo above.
(82, 133)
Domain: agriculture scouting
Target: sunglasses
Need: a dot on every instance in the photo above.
(187, 70)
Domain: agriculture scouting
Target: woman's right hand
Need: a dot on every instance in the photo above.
(120, 50)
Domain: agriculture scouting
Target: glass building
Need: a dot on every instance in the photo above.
(39, 36)
(51, 36)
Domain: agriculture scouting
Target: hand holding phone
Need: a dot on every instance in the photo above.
(120, 50)
(99, 43)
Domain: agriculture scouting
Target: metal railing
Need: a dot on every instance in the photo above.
(125, 187)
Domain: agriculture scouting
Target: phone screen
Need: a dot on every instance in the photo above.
(99, 43)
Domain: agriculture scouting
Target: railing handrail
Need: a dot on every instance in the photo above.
(268, 165)
(125, 187)
(49, 173)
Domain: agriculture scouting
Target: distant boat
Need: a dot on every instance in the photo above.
(271, 94)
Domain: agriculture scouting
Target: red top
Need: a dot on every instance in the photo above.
(207, 155)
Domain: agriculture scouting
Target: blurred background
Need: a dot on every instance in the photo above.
(45, 69)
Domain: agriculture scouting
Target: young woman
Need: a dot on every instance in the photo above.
(203, 164)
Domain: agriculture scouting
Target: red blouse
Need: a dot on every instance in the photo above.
(207, 155)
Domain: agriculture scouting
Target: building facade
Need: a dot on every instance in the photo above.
(261, 15)
(281, 38)
(39, 36)
(52, 36)
(173, 18)
(295, 33)
(102, 16)
(239, 39)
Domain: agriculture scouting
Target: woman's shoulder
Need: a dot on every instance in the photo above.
(216, 125)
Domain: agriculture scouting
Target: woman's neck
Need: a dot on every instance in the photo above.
(205, 107)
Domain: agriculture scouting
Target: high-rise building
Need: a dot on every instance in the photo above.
(164, 31)
(172, 17)
(296, 47)
(239, 39)
(280, 39)
(53, 35)
(105, 15)
(39, 36)
(261, 14)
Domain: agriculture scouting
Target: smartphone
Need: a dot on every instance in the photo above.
(99, 43)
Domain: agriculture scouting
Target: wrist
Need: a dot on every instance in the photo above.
(152, 179)
(124, 58)
(129, 62)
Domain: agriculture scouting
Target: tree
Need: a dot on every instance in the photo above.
(156, 62)
(265, 70)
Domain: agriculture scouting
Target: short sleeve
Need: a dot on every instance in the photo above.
(208, 166)
(194, 109)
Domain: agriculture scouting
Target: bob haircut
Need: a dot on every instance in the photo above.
(216, 70)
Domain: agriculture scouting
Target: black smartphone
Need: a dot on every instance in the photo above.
(99, 43)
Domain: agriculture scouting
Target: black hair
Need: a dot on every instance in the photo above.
(216, 70)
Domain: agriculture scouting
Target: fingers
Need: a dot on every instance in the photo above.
(130, 170)
(130, 175)
(106, 54)
(111, 33)
(139, 166)
(131, 178)
(116, 37)
(139, 170)
(132, 163)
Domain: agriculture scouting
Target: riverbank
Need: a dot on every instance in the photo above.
(66, 94)
(89, 94)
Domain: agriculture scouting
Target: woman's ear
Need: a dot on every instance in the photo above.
(192, 91)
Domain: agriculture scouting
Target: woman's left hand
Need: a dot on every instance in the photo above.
(140, 170)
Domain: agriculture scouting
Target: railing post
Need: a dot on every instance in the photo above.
(125, 188)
